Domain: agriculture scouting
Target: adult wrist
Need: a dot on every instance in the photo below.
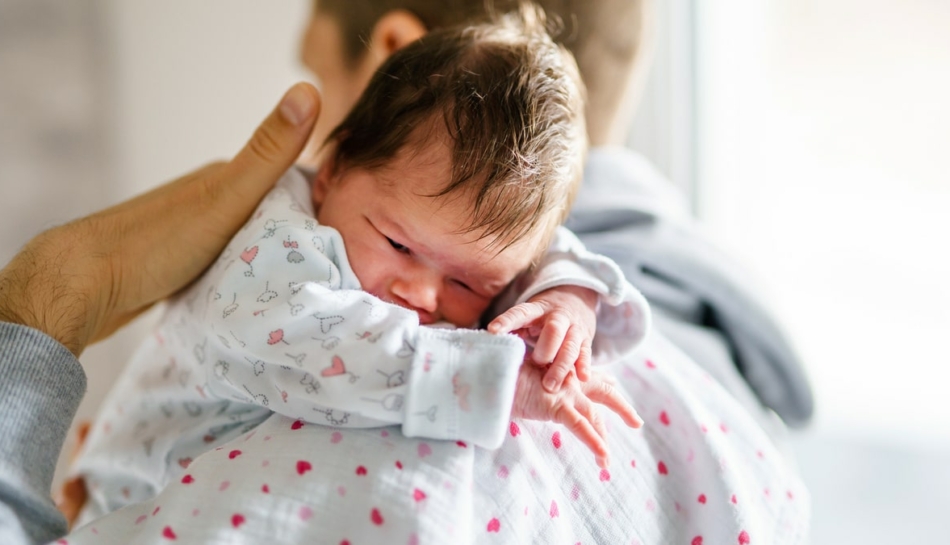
(40, 289)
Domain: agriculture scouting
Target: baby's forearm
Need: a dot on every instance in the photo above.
(358, 361)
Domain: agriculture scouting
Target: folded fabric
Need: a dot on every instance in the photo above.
(630, 213)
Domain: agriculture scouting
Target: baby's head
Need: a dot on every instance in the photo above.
(449, 176)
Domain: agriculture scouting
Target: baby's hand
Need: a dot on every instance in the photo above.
(559, 324)
(573, 406)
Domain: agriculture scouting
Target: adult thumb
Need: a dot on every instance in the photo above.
(275, 145)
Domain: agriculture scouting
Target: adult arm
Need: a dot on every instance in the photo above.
(79, 282)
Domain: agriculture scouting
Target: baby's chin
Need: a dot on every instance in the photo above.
(442, 324)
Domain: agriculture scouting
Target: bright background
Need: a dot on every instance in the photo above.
(823, 130)
(811, 135)
(824, 135)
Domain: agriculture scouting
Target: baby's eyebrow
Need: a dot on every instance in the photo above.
(397, 231)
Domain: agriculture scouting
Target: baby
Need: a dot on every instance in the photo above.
(439, 191)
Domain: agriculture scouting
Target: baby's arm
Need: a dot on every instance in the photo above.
(574, 307)
(558, 325)
(292, 331)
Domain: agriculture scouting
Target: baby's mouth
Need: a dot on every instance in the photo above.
(425, 317)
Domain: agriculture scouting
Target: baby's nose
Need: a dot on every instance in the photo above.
(420, 292)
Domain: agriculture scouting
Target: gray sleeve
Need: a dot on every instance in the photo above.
(41, 385)
(628, 212)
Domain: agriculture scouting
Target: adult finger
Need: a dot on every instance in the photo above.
(516, 317)
(272, 149)
(606, 394)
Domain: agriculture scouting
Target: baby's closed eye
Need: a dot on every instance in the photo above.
(399, 247)
(462, 285)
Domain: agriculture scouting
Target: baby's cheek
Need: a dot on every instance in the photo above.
(368, 270)
(466, 310)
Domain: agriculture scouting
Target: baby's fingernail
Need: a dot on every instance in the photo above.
(297, 105)
(638, 422)
(550, 384)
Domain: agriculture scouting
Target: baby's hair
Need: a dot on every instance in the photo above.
(511, 102)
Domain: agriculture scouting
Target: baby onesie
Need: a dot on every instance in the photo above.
(701, 471)
(279, 324)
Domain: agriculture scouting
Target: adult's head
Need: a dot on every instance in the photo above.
(348, 39)
(452, 170)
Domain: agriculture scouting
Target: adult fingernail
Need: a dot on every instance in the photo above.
(297, 105)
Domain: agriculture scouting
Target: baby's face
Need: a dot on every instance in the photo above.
(409, 249)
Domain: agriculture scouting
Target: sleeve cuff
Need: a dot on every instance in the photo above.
(41, 385)
(462, 386)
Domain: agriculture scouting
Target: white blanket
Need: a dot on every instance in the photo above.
(700, 472)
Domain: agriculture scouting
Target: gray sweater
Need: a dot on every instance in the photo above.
(41, 385)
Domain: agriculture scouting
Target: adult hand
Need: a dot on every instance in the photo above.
(81, 281)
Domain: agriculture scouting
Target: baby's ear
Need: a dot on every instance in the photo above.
(324, 178)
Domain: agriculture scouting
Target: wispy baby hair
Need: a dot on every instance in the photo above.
(512, 104)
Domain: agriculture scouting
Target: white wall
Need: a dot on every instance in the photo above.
(824, 134)
(192, 79)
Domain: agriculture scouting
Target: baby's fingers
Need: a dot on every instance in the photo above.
(570, 352)
(601, 391)
(554, 331)
(589, 411)
(516, 317)
(582, 366)
(581, 427)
